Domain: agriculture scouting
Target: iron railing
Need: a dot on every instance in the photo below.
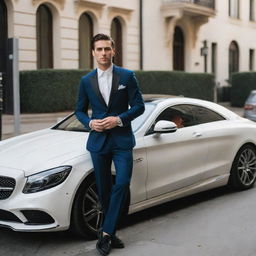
(205, 3)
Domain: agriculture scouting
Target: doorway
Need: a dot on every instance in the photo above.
(178, 49)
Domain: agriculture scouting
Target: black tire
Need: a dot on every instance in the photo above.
(243, 171)
(87, 215)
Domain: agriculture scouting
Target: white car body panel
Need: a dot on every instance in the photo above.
(43, 148)
(180, 167)
(195, 188)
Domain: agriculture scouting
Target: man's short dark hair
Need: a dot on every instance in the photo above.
(100, 37)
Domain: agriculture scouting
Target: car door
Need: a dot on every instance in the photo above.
(175, 160)
(220, 138)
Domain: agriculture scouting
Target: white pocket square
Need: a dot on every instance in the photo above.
(120, 87)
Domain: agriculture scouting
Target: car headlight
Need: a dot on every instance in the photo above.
(46, 179)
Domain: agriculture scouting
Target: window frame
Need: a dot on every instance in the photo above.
(233, 58)
(44, 54)
(116, 30)
(44, 50)
(82, 50)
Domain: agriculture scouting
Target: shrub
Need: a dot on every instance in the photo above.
(56, 90)
(49, 90)
(195, 85)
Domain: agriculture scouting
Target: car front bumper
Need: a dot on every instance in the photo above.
(41, 211)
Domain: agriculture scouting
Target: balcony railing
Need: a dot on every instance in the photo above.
(205, 3)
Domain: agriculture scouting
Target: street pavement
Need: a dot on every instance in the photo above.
(30, 122)
(218, 222)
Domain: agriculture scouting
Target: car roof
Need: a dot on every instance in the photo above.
(165, 100)
(156, 98)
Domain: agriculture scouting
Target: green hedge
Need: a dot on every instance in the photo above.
(195, 85)
(241, 85)
(49, 90)
(56, 90)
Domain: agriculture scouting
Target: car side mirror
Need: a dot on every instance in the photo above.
(164, 126)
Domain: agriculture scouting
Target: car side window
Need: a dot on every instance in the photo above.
(181, 115)
(204, 115)
(188, 114)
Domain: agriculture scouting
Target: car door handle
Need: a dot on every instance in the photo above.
(197, 134)
(137, 160)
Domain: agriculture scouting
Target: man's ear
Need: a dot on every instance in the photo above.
(114, 52)
(93, 53)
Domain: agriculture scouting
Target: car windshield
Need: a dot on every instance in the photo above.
(71, 123)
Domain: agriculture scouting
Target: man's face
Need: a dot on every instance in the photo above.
(103, 53)
(178, 121)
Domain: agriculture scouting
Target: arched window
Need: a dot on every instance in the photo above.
(44, 37)
(116, 34)
(233, 58)
(85, 36)
(178, 49)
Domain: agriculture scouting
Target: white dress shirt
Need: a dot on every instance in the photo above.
(105, 82)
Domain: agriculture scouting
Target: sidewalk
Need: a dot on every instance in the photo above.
(33, 122)
(30, 122)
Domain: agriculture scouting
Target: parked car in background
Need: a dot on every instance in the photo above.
(183, 146)
(250, 106)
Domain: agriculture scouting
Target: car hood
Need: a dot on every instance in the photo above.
(41, 150)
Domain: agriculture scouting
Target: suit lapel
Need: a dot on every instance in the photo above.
(95, 87)
(115, 82)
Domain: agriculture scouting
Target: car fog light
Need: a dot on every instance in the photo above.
(46, 179)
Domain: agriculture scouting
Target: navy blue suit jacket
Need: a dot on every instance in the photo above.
(124, 93)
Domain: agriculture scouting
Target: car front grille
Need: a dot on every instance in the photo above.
(7, 186)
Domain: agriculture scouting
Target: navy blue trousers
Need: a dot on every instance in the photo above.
(112, 196)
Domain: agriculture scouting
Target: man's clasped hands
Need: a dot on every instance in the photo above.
(107, 123)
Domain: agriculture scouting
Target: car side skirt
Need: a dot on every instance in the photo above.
(213, 182)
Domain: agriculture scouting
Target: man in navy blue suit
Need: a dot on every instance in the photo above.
(116, 100)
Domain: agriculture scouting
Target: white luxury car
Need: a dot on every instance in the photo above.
(47, 181)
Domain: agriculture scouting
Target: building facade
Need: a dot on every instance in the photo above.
(56, 33)
(215, 36)
(200, 36)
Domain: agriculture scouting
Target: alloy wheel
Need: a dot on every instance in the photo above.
(92, 210)
(247, 166)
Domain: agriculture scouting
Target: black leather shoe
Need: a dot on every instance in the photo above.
(116, 242)
(104, 245)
